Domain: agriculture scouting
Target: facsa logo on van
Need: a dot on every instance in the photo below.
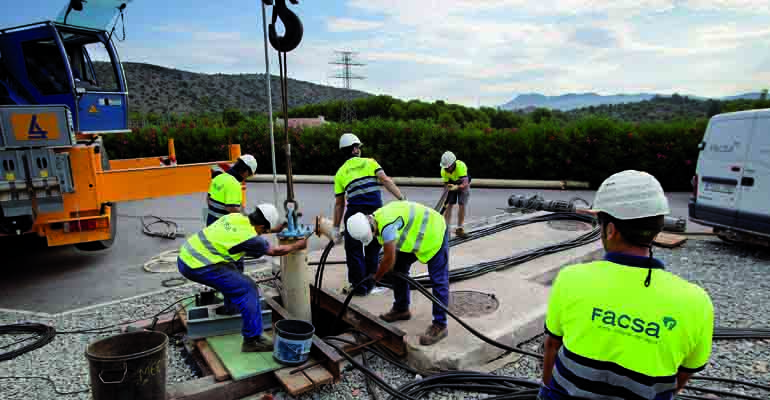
(637, 325)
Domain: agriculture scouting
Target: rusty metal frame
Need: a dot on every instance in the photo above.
(377, 329)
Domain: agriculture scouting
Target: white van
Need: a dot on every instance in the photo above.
(731, 188)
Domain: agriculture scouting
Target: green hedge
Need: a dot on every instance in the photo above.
(589, 149)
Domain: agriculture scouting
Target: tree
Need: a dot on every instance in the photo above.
(232, 117)
(763, 95)
(541, 114)
(714, 108)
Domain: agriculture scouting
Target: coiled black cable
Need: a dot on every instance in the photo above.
(42, 334)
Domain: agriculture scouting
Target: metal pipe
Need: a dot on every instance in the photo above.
(295, 283)
(436, 182)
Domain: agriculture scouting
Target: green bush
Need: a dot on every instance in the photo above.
(588, 149)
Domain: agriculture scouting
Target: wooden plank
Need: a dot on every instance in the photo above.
(181, 315)
(208, 388)
(189, 346)
(320, 350)
(213, 362)
(319, 375)
(669, 240)
(295, 384)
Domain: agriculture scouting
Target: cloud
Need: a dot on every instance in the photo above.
(594, 37)
(485, 50)
(351, 25)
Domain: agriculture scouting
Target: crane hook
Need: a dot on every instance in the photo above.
(292, 24)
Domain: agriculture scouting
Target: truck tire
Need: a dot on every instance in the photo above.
(103, 244)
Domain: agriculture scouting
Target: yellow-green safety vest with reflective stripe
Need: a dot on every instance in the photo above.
(211, 245)
(422, 231)
(224, 191)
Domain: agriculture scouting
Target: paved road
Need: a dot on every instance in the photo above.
(53, 280)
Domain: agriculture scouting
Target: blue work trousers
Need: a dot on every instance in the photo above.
(238, 289)
(438, 269)
(361, 261)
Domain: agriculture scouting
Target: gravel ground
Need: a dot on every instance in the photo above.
(734, 276)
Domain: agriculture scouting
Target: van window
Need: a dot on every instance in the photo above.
(728, 140)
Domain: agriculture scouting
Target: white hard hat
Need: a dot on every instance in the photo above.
(359, 228)
(349, 139)
(271, 214)
(250, 162)
(630, 195)
(447, 159)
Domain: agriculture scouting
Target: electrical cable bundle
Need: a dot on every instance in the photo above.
(721, 333)
(482, 268)
(40, 335)
(172, 228)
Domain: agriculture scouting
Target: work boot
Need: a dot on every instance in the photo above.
(257, 344)
(434, 334)
(460, 232)
(393, 316)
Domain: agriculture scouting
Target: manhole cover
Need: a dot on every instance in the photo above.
(471, 304)
(567, 225)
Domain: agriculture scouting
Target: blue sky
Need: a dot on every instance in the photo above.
(473, 52)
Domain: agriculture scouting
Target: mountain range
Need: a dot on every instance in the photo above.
(574, 101)
(164, 90)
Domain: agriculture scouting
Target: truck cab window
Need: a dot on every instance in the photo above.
(45, 67)
(104, 68)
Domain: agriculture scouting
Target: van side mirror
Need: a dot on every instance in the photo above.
(701, 145)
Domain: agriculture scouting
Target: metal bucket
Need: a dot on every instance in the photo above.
(292, 341)
(129, 366)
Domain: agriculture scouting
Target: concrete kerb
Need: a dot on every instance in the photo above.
(417, 181)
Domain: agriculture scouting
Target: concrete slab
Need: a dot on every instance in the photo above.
(522, 292)
(54, 280)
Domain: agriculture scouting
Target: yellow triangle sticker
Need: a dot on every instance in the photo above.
(93, 109)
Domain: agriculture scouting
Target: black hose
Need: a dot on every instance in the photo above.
(472, 271)
(42, 334)
(465, 325)
(319, 273)
(721, 333)
(172, 230)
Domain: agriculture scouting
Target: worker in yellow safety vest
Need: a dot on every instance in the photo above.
(210, 257)
(358, 181)
(225, 195)
(623, 327)
(454, 174)
(409, 232)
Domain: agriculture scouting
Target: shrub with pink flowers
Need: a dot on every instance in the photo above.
(588, 149)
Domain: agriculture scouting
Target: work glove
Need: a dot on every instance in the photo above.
(338, 235)
(452, 187)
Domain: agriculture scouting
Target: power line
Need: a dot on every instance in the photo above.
(346, 60)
